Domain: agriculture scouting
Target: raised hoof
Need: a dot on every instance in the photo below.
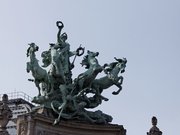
(116, 92)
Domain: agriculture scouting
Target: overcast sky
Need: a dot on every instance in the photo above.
(146, 32)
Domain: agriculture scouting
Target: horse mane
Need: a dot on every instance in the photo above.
(85, 62)
(113, 64)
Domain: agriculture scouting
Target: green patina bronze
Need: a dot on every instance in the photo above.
(70, 98)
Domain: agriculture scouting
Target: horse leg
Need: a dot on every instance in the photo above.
(118, 84)
(98, 94)
(120, 88)
(121, 79)
(103, 98)
(28, 67)
(37, 85)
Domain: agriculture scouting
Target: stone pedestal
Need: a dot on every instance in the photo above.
(38, 124)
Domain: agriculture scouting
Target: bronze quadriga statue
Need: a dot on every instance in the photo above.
(64, 97)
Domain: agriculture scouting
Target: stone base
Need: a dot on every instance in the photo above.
(38, 124)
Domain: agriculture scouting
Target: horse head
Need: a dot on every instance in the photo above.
(90, 59)
(121, 63)
(46, 58)
(85, 79)
(92, 54)
(32, 48)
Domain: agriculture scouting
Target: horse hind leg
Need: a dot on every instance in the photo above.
(103, 98)
(121, 79)
(37, 85)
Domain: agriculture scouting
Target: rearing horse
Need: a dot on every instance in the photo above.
(112, 77)
(40, 75)
(85, 79)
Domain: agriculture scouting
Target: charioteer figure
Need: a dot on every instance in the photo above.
(66, 53)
